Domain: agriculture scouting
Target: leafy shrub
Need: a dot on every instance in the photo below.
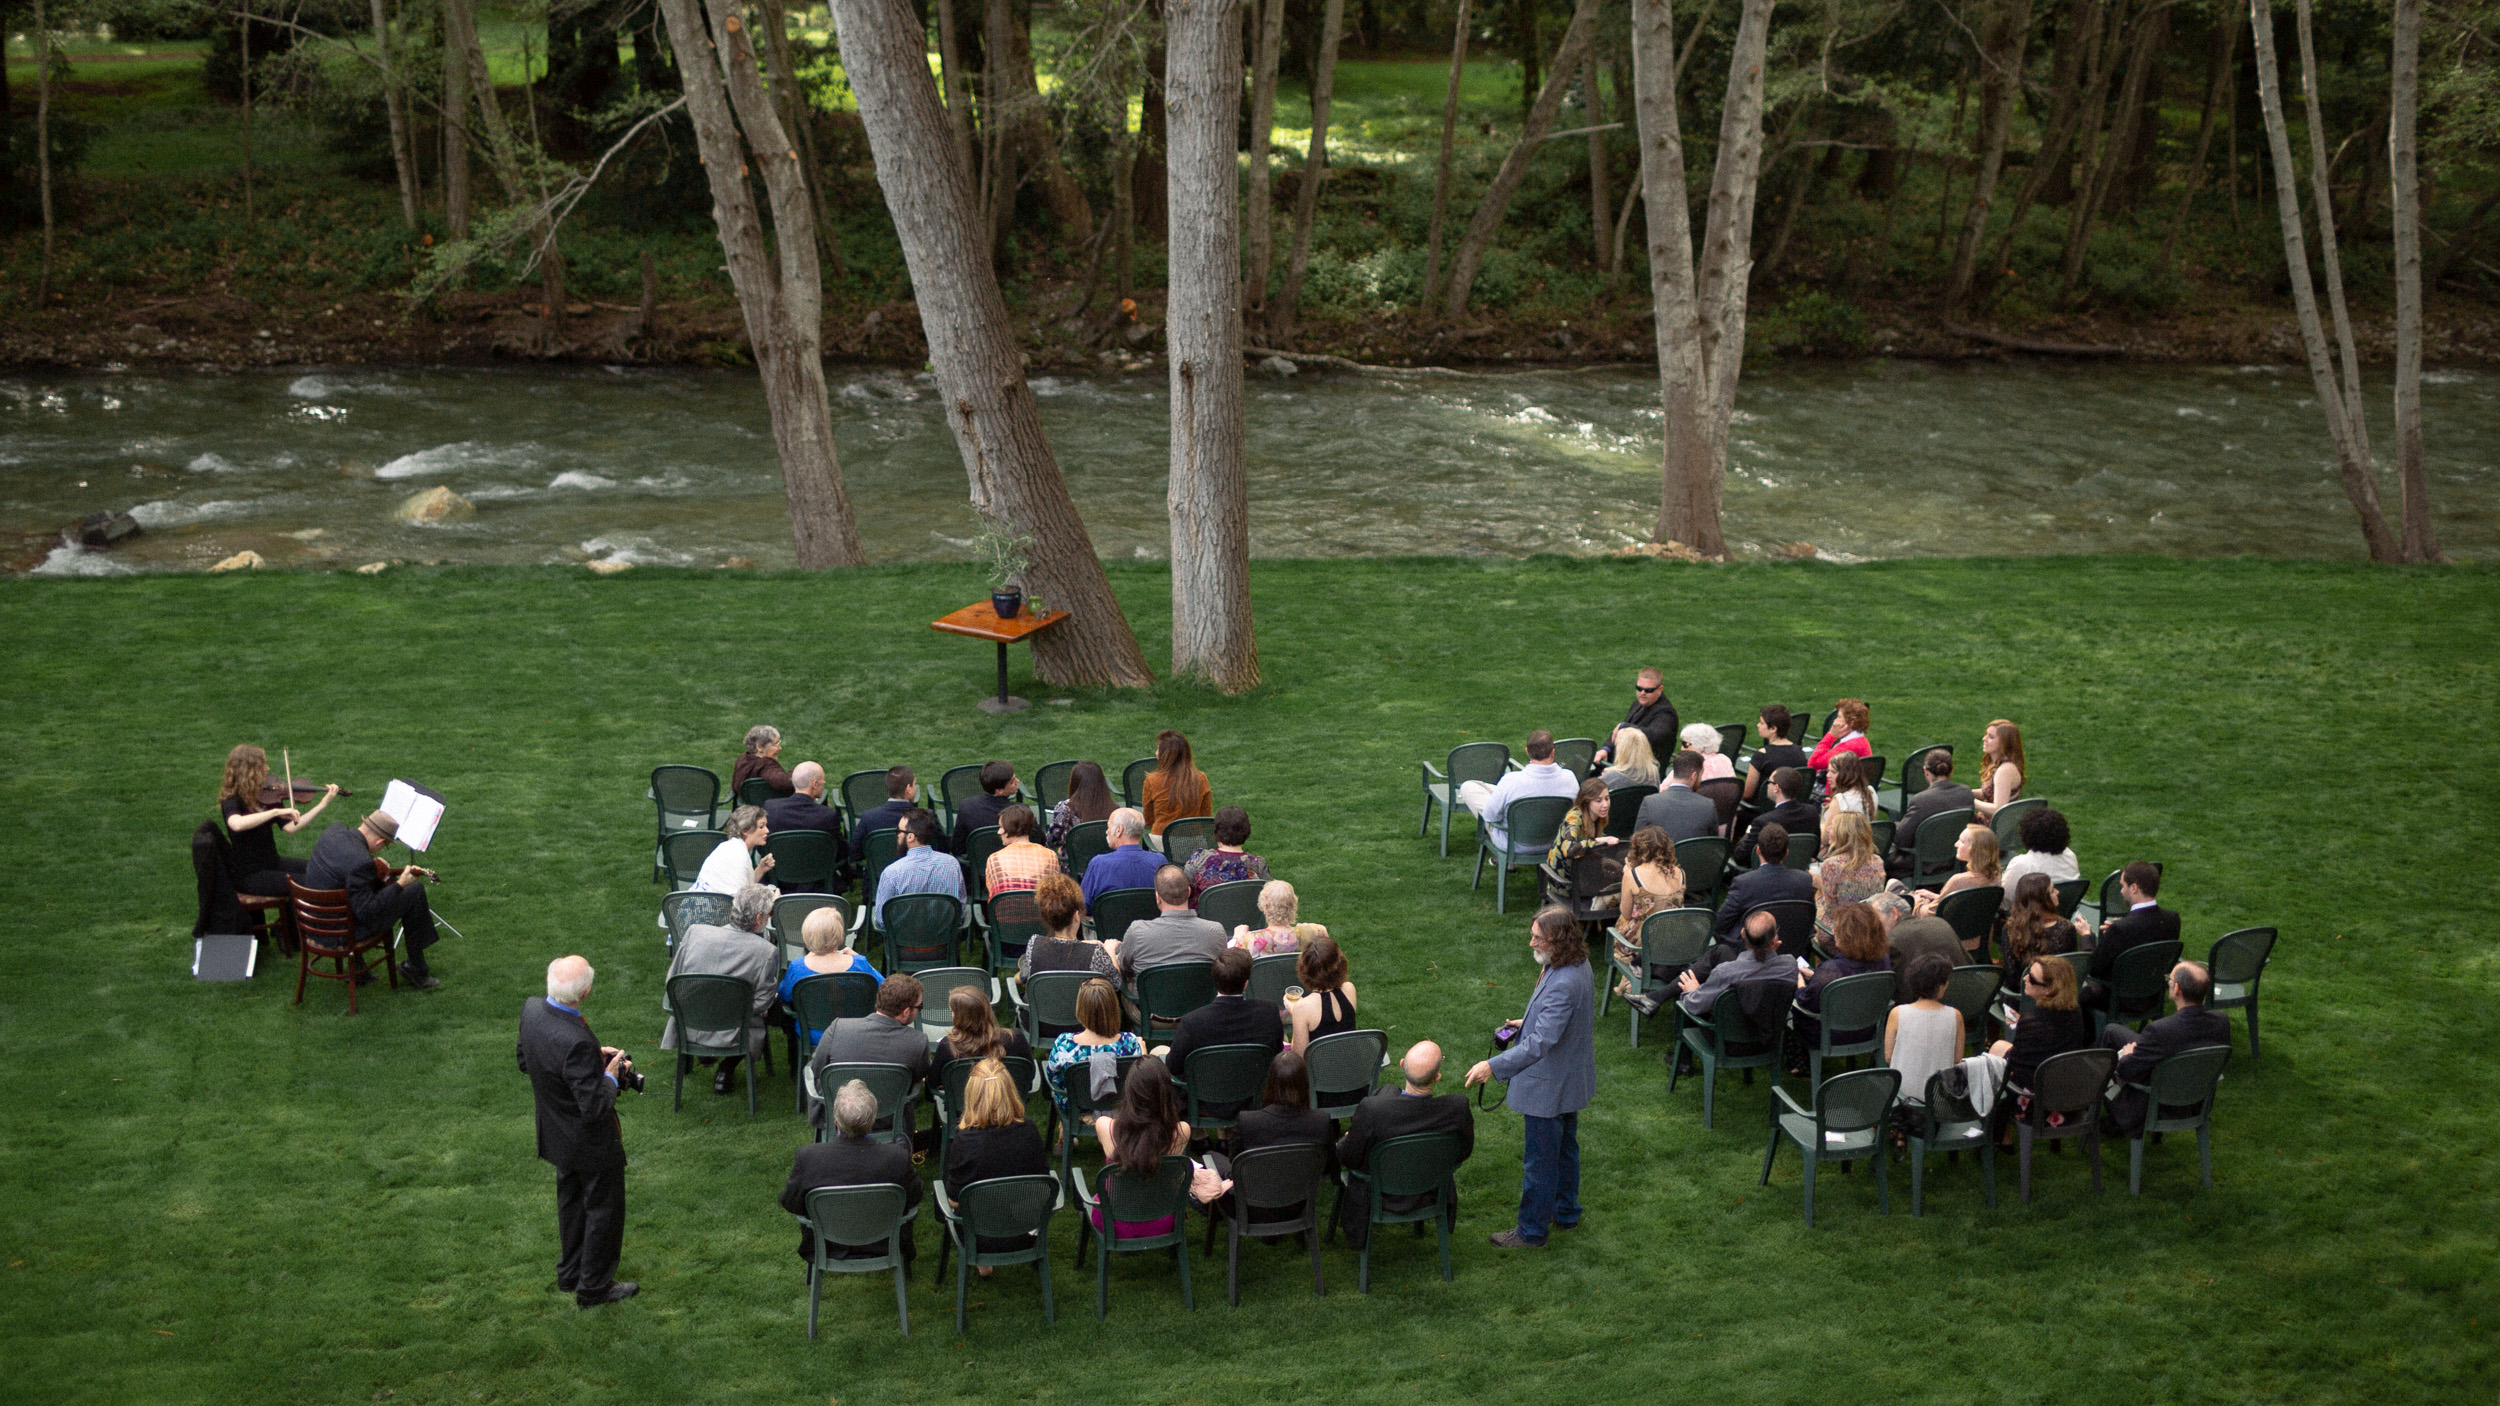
(1811, 323)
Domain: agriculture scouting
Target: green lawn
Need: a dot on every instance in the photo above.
(214, 1195)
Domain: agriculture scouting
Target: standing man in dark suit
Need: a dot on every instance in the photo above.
(1552, 1069)
(805, 809)
(2185, 1029)
(1651, 713)
(343, 859)
(1771, 881)
(998, 791)
(850, 1159)
(1413, 1108)
(1790, 810)
(2144, 921)
(1681, 811)
(574, 1080)
(1230, 1019)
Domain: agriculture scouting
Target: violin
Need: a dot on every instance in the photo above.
(273, 793)
(382, 869)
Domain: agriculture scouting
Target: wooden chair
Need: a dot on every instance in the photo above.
(325, 930)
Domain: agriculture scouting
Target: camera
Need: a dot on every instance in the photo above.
(628, 1077)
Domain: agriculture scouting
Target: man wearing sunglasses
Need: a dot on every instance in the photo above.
(1652, 714)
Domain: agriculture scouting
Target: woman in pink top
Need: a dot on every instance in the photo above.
(1848, 734)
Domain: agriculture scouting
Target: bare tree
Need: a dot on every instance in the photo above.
(2342, 403)
(1601, 204)
(1314, 172)
(455, 110)
(1209, 494)
(2413, 487)
(1262, 220)
(1478, 241)
(1015, 482)
(2008, 33)
(43, 141)
(790, 100)
(1449, 142)
(779, 290)
(2109, 157)
(958, 92)
(2220, 79)
(402, 158)
(1699, 308)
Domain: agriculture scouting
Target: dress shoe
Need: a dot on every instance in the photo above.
(560, 1287)
(617, 1292)
(419, 980)
(721, 1081)
(1513, 1240)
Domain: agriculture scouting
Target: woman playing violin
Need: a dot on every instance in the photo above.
(252, 807)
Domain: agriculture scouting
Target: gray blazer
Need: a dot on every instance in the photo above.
(714, 949)
(1681, 811)
(867, 1039)
(1553, 1069)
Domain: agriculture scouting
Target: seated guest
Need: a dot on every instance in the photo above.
(1540, 777)
(732, 864)
(890, 1034)
(1848, 734)
(998, 792)
(922, 867)
(2189, 1027)
(993, 1139)
(1850, 870)
(1977, 849)
(1634, 764)
(1924, 1037)
(1326, 1005)
(1284, 1118)
(828, 951)
(1858, 937)
(1145, 1127)
(2047, 851)
(1652, 883)
(1724, 948)
(805, 809)
(1411, 1108)
(902, 792)
(1128, 864)
(2001, 767)
(1281, 907)
(1760, 961)
(975, 1032)
(1583, 830)
(1227, 862)
(252, 858)
(1776, 751)
(1176, 788)
(2051, 1026)
(737, 948)
(1232, 1018)
(1089, 798)
(761, 758)
(1063, 945)
(1651, 713)
(2033, 929)
(1019, 865)
(1846, 789)
(2144, 921)
(1942, 794)
(1910, 936)
(1678, 809)
(343, 859)
(1702, 740)
(1771, 881)
(1790, 810)
(850, 1158)
(1099, 1032)
(1175, 934)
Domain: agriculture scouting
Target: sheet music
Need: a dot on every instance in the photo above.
(417, 810)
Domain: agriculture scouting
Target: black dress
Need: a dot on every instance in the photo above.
(1336, 1014)
(252, 855)
(978, 1154)
(2039, 1034)
(1278, 1126)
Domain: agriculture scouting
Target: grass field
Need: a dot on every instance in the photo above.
(214, 1195)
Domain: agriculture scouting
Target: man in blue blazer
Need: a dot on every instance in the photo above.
(1552, 1069)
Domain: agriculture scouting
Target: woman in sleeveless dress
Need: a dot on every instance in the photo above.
(1652, 882)
(1923, 1038)
(1327, 1005)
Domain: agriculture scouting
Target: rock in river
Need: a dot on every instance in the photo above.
(435, 505)
(107, 529)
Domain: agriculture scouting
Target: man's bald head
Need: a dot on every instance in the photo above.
(568, 980)
(808, 777)
(1422, 1066)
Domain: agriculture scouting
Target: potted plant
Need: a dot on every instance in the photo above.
(1004, 551)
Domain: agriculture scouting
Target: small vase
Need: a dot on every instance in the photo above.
(1007, 604)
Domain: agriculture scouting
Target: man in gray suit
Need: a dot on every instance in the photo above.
(890, 1034)
(1681, 811)
(736, 949)
(1552, 1069)
(1175, 934)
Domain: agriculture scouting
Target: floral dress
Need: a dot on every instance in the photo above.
(1837, 885)
(1645, 901)
(1267, 942)
(1209, 867)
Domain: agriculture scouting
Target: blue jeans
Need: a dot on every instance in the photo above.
(1549, 1175)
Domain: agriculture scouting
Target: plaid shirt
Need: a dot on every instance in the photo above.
(1020, 867)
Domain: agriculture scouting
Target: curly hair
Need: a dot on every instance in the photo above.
(1565, 945)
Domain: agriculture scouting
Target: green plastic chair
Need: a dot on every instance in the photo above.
(1419, 1164)
(859, 1215)
(688, 798)
(1344, 1069)
(1169, 990)
(1082, 1109)
(1270, 975)
(1133, 782)
(1944, 1123)
(877, 849)
(754, 791)
(1913, 777)
(1216, 1074)
(957, 785)
(1277, 1178)
(1530, 825)
(896, 1089)
(1124, 1198)
(1803, 850)
(1704, 862)
(803, 857)
(815, 1003)
(2008, 820)
(1732, 738)
(1871, 767)
(1931, 848)
(1852, 1003)
(1884, 828)
(1670, 937)
(790, 915)
(1728, 1041)
(2139, 982)
(1577, 755)
(1623, 809)
(863, 791)
(2186, 1081)
(2238, 962)
(2068, 1084)
(938, 985)
(1232, 905)
(2070, 896)
(1972, 990)
(1845, 1125)
(1186, 836)
(1115, 909)
(704, 1001)
(983, 843)
(1050, 784)
(1795, 917)
(682, 853)
(999, 1208)
(1015, 919)
(1050, 1005)
(1972, 914)
(921, 930)
(1468, 761)
(1085, 840)
(687, 907)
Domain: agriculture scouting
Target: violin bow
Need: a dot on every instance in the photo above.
(287, 759)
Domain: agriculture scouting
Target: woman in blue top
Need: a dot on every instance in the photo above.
(826, 954)
(1098, 1031)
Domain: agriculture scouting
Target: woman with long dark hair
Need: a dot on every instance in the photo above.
(1176, 787)
(1140, 1132)
(1089, 798)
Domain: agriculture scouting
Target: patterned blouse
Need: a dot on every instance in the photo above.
(1574, 839)
(1267, 942)
(1209, 867)
(1020, 867)
(1066, 1053)
(1837, 885)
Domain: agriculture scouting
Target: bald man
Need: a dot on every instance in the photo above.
(1412, 1108)
(805, 809)
(575, 1079)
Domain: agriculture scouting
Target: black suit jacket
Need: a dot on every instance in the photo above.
(849, 1161)
(1938, 798)
(1227, 1020)
(1656, 719)
(981, 810)
(1394, 1114)
(1769, 883)
(2184, 1029)
(805, 812)
(1796, 817)
(577, 1128)
(980, 1154)
(2155, 924)
(339, 860)
(1275, 1126)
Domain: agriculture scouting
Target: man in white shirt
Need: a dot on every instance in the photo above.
(1540, 777)
(731, 865)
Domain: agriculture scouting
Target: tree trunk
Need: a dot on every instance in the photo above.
(1124, 208)
(2111, 154)
(1031, 125)
(244, 70)
(1478, 241)
(1449, 144)
(1209, 496)
(1601, 204)
(2083, 20)
(402, 158)
(958, 92)
(2405, 74)
(998, 160)
(502, 157)
(2218, 81)
(1280, 318)
(1262, 216)
(43, 140)
(1015, 483)
(790, 102)
(1147, 166)
(455, 111)
(1523, 21)
(2352, 451)
(778, 290)
(2001, 58)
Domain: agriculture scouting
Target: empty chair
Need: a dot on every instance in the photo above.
(1422, 1165)
(1233, 905)
(2067, 1086)
(688, 798)
(2238, 962)
(1945, 1123)
(858, 1215)
(1469, 761)
(1001, 1208)
(1846, 1124)
(1271, 1179)
(2179, 1098)
(1130, 1200)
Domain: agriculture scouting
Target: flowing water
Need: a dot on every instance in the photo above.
(1874, 459)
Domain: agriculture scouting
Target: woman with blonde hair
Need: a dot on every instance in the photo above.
(1704, 739)
(1850, 870)
(2002, 770)
(992, 1139)
(828, 951)
(252, 858)
(1281, 907)
(1176, 787)
(1982, 864)
(1652, 882)
(1634, 764)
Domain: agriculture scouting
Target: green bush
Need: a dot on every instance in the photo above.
(1810, 323)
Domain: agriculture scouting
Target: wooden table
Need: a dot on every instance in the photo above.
(981, 622)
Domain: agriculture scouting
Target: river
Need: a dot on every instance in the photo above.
(1864, 460)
